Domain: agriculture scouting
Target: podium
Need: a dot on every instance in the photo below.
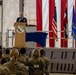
(20, 30)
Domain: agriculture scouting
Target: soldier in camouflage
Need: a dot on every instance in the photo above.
(16, 68)
(4, 70)
(36, 65)
(6, 55)
(2, 60)
(23, 58)
(45, 59)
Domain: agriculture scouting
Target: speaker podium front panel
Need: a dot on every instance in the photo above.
(20, 34)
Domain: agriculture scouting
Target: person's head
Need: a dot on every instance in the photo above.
(0, 47)
(14, 53)
(21, 14)
(35, 53)
(0, 53)
(42, 52)
(7, 50)
(22, 51)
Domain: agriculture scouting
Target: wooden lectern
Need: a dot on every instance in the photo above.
(19, 34)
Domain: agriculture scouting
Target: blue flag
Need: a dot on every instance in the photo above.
(39, 37)
(73, 24)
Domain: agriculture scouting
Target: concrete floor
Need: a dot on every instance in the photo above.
(60, 74)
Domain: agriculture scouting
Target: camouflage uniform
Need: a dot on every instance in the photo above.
(36, 65)
(2, 60)
(46, 60)
(23, 59)
(7, 57)
(4, 70)
(16, 68)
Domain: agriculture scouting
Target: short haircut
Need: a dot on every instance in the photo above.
(0, 47)
(14, 53)
(22, 51)
(7, 51)
(0, 52)
(42, 52)
(35, 53)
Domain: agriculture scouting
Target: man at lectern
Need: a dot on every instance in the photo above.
(22, 18)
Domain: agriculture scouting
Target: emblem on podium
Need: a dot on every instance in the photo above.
(20, 29)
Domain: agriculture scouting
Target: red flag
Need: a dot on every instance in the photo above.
(44, 16)
(39, 16)
(51, 13)
(63, 8)
(65, 24)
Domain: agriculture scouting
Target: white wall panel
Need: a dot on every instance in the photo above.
(30, 11)
(10, 13)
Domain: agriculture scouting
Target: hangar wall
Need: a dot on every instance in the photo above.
(10, 13)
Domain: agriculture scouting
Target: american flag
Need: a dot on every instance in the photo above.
(54, 25)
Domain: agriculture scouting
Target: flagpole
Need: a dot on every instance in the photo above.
(73, 43)
(75, 10)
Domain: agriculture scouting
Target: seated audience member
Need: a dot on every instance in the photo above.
(45, 59)
(2, 60)
(23, 58)
(36, 65)
(21, 18)
(6, 55)
(4, 70)
(16, 67)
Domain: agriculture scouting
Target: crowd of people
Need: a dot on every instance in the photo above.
(16, 62)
